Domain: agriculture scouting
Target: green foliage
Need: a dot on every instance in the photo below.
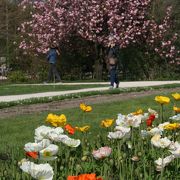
(17, 76)
(74, 161)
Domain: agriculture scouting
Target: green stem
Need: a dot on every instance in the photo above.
(162, 117)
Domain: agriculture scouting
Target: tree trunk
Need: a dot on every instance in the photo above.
(98, 65)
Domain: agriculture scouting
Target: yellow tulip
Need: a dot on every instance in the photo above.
(176, 96)
(83, 129)
(162, 99)
(172, 126)
(107, 122)
(138, 112)
(176, 109)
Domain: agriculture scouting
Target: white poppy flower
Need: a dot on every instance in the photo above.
(71, 142)
(161, 163)
(161, 126)
(120, 119)
(102, 152)
(133, 121)
(123, 129)
(49, 152)
(155, 130)
(157, 141)
(38, 171)
(144, 117)
(174, 145)
(175, 149)
(175, 118)
(41, 133)
(119, 134)
(36, 147)
(55, 133)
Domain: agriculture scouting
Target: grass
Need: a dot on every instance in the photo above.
(29, 89)
(83, 94)
(17, 131)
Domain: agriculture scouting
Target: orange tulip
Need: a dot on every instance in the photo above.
(69, 129)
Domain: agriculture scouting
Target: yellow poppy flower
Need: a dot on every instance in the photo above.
(83, 129)
(162, 99)
(107, 122)
(85, 108)
(138, 112)
(176, 96)
(55, 120)
(176, 109)
(172, 126)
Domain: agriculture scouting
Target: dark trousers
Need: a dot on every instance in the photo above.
(114, 76)
(53, 73)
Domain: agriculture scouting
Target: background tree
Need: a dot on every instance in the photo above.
(141, 28)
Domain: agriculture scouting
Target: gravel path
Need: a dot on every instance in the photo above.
(50, 94)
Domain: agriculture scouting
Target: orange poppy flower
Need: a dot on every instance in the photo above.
(84, 177)
(69, 129)
(33, 155)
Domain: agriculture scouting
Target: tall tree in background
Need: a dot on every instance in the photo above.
(10, 19)
(120, 22)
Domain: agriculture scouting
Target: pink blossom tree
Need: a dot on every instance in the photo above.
(102, 21)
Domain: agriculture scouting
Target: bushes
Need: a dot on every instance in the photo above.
(17, 76)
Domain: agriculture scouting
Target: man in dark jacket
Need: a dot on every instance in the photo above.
(52, 59)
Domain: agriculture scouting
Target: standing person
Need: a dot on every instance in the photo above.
(113, 65)
(52, 59)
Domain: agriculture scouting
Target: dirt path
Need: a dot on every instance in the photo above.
(65, 104)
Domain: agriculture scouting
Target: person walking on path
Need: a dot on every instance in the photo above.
(52, 59)
(112, 62)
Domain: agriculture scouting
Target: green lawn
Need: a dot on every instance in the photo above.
(28, 89)
(17, 131)
(10, 127)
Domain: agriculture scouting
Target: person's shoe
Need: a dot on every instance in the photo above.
(117, 85)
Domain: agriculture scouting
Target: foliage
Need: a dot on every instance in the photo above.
(74, 161)
(17, 76)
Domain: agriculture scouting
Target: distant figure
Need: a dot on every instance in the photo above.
(112, 62)
(52, 59)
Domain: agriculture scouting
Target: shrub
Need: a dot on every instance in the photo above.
(17, 76)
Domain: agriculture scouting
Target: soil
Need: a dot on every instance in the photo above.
(71, 103)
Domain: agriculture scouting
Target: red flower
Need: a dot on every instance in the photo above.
(152, 117)
(69, 129)
(150, 120)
